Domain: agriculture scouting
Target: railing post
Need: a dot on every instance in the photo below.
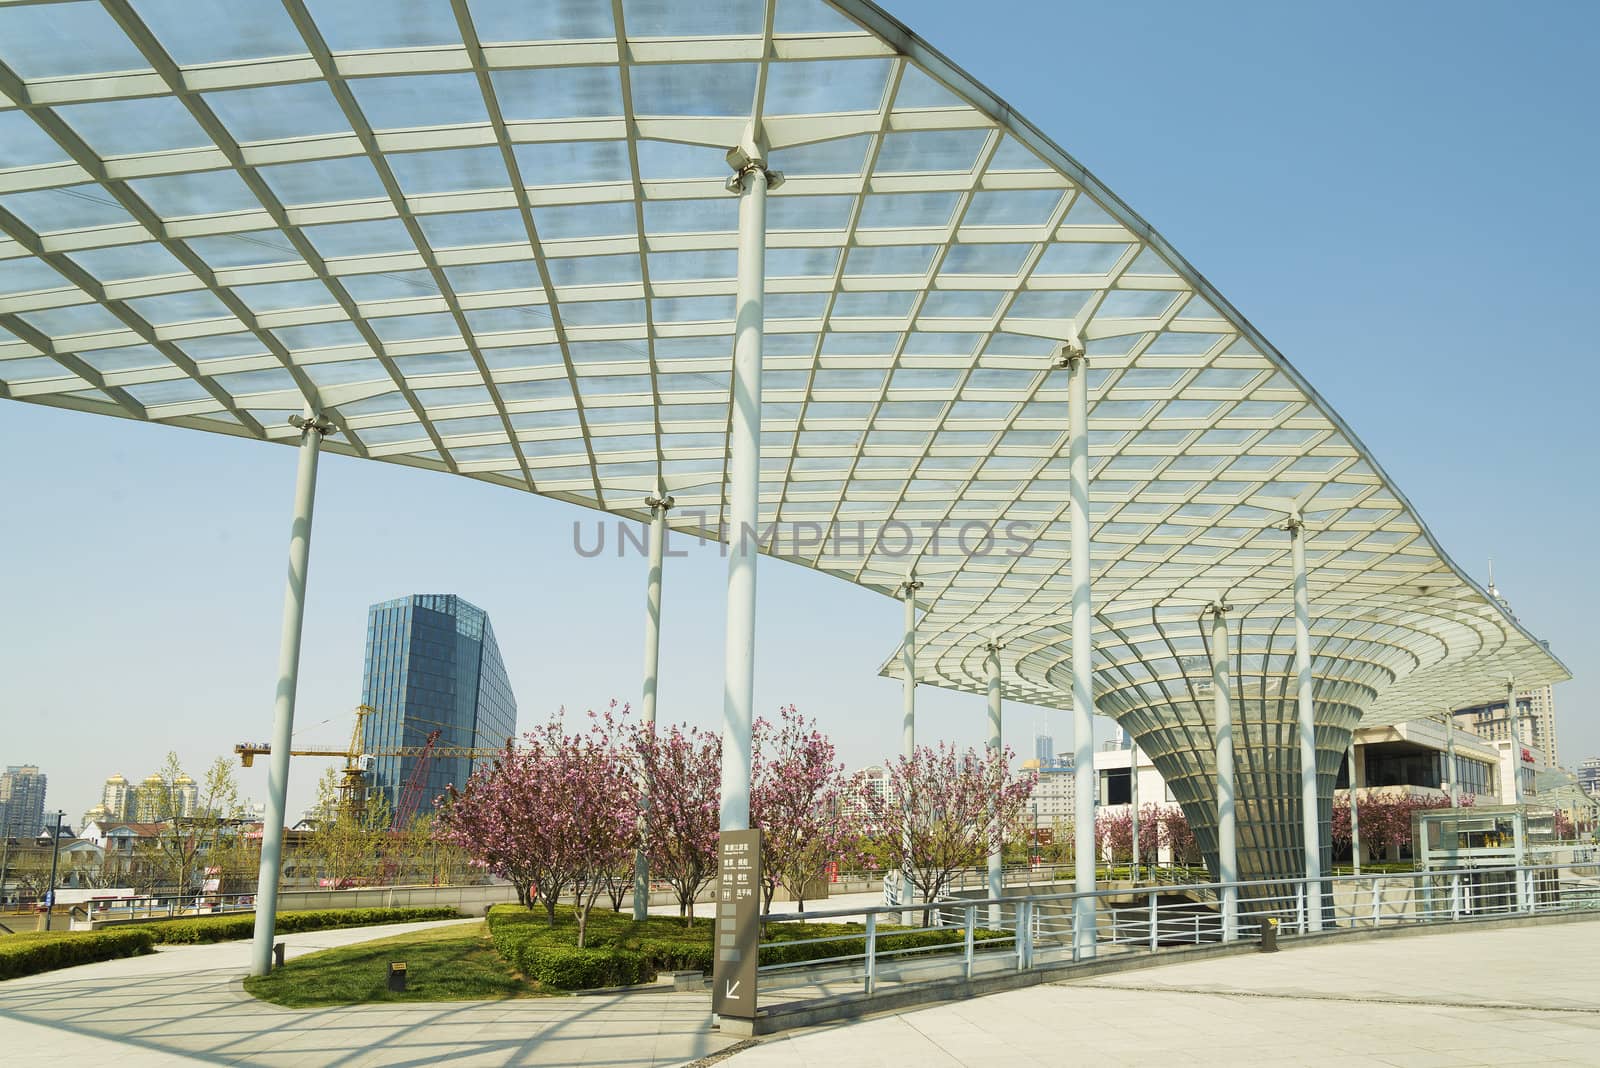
(1153, 921)
(970, 921)
(872, 953)
(1530, 902)
(1376, 917)
(1024, 919)
(1300, 908)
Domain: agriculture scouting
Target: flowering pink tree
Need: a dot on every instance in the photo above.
(1385, 819)
(1113, 834)
(680, 772)
(497, 820)
(554, 816)
(1178, 836)
(797, 799)
(944, 810)
(597, 816)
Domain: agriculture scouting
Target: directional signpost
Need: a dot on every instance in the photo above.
(733, 980)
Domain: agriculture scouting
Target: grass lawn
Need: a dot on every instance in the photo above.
(456, 963)
(531, 959)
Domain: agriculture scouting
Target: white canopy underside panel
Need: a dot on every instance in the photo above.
(492, 238)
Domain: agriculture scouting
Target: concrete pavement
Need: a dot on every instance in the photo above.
(183, 1005)
(1521, 995)
(1524, 995)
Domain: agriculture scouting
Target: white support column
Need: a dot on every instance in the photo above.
(1083, 913)
(1520, 838)
(908, 717)
(312, 430)
(1450, 756)
(1311, 828)
(751, 181)
(1227, 807)
(1355, 811)
(1514, 726)
(1133, 799)
(997, 884)
(652, 662)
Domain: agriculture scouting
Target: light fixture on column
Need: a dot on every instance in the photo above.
(318, 422)
(743, 161)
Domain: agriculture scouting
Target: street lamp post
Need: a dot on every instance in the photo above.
(55, 857)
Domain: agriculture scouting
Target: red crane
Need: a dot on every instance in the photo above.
(411, 793)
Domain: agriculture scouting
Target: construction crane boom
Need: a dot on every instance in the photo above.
(353, 777)
(411, 794)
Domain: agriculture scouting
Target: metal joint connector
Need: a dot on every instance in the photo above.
(910, 588)
(744, 165)
(659, 503)
(1069, 353)
(320, 423)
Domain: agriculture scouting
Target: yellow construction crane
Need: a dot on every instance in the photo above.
(353, 776)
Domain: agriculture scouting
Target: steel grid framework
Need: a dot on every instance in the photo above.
(493, 239)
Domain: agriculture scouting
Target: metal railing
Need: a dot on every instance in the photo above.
(975, 937)
(165, 906)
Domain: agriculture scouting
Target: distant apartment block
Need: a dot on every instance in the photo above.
(22, 789)
(1538, 709)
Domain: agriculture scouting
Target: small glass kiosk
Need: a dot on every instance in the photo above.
(1481, 848)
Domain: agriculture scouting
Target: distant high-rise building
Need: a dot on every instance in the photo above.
(150, 802)
(115, 797)
(185, 796)
(1044, 748)
(1054, 797)
(1538, 710)
(872, 787)
(1589, 776)
(432, 664)
(22, 801)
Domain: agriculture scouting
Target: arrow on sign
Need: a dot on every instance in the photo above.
(729, 991)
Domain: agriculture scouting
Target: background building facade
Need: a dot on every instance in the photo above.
(432, 663)
(115, 797)
(22, 789)
(1589, 775)
(1044, 749)
(1538, 708)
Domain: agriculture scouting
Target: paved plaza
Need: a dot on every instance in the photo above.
(1524, 995)
(1521, 995)
(184, 1005)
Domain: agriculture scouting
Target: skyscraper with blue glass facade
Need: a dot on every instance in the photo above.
(432, 664)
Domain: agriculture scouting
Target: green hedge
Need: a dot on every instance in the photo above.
(620, 951)
(192, 931)
(22, 955)
(571, 968)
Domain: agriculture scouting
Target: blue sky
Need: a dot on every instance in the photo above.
(1399, 196)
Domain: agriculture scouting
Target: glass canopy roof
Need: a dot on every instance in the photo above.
(492, 238)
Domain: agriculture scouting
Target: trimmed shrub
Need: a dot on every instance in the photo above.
(678, 956)
(571, 968)
(21, 955)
